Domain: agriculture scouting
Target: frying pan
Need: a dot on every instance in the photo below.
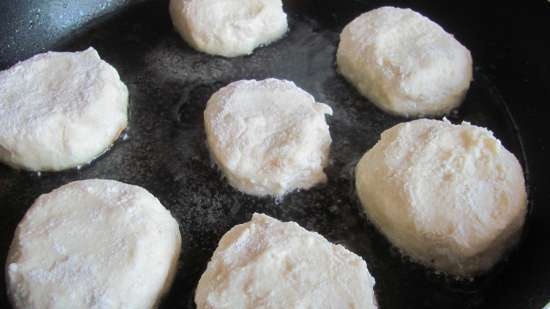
(170, 83)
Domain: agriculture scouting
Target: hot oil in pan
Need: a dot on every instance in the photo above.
(166, 153)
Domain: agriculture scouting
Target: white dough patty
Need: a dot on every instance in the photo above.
(449, 196)
(60, 110)
(404, 63)
(93, 244)
(228, 27)
(268, 264)
(268, 137)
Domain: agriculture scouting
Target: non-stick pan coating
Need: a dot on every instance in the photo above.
(165, 151)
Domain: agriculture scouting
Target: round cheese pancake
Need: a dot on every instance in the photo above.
(449, 196)
(268, 264)
(404, 63)
(268, 137)
(60, 110)
(228, 28)
(93, 244)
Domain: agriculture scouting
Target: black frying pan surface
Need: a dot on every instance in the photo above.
(169, 85)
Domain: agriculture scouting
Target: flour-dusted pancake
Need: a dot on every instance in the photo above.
(449, 196)
(93, 244)
(268, 264)
(404, 63)
(268, 137)
(228, 28)
(60, 110)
